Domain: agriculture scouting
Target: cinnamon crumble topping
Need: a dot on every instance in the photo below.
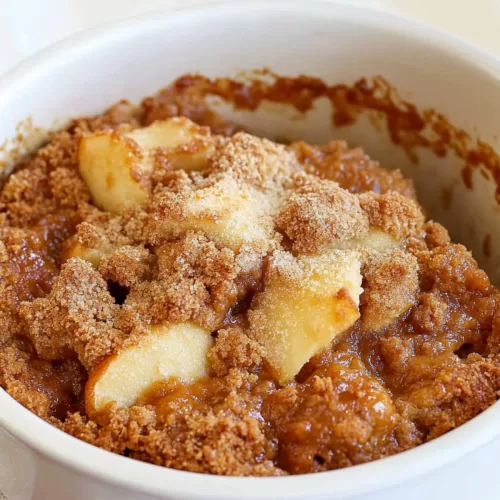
(318, 212)
(265, 252)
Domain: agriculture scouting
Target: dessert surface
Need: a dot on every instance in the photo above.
(178, 291)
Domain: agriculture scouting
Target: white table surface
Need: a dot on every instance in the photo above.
(29, 25)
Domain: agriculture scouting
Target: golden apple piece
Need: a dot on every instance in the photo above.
(116, 167)
(168, 351)
(306, 303)
(376, 239)
(227, 212)
(187, 145)
(115, 171)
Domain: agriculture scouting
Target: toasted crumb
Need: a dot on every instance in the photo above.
(215, 443)
(127, 265)
(165, 178)
(452, 265)
(77, 316)
(196, 281)
(91, 236)
(14, 376)
(318, 213)
(25, 196)
(234, 349)
(60, 152)
(436, 235)
(80, 427)
(35, 401)
(393, 213)
(173, 300)
(195, 256)
(390, 283)
(27, 273)
(67, 188)
(263, 164)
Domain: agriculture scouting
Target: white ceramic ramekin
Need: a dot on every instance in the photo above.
(338, 43)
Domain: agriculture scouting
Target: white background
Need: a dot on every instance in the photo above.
(29, 25)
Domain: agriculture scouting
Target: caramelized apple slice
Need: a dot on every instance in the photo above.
(178, 351)
(306, 303)
(116, 167)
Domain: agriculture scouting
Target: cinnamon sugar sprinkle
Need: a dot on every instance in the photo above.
(78, 285)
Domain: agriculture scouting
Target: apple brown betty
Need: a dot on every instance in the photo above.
(180, 292)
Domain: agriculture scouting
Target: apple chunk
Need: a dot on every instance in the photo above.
(114, 170)
(376, 240)
(307, 302)
(185, 143)
(73, 248)
(227, 212)
(116, 167)
(178, 351)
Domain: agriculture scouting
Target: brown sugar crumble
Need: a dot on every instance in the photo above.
(318, 212)
(332, 324)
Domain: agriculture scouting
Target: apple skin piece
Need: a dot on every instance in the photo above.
(306, 303)
(167, 351)
(116, 167)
